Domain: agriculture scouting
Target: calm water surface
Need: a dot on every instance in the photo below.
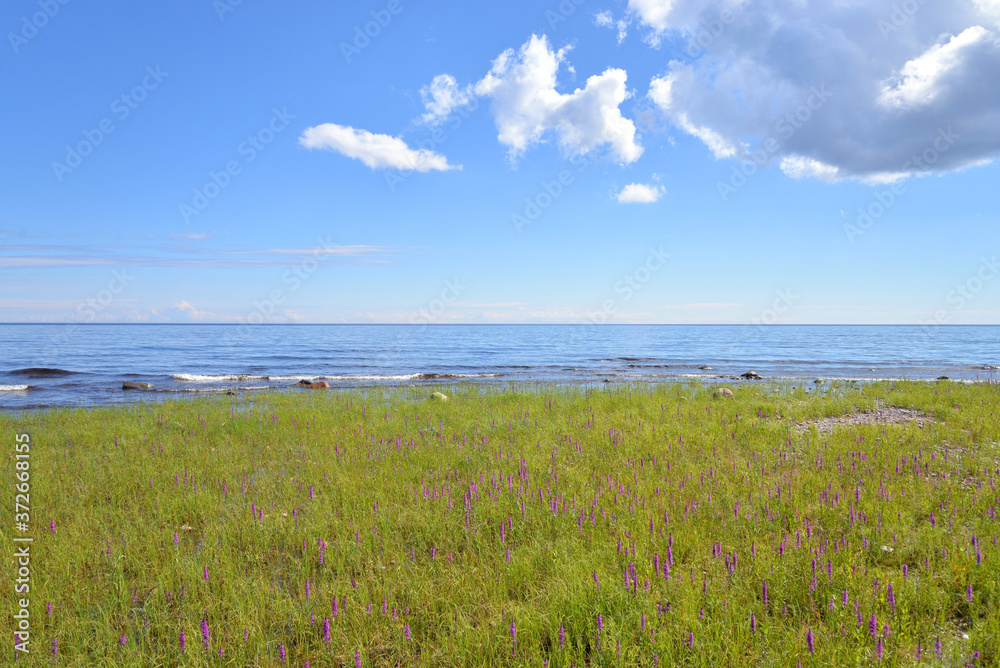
(185, 359)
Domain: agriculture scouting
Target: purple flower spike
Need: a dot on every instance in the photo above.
(357, 659)
(204, 633)
(873, 626)
(281, 652)
(810, 641)
(326, 631)
(753, 623)
(183, 642)
(968, 592)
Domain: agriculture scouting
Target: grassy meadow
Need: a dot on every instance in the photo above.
(609, 526)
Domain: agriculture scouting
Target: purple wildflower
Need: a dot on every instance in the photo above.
(873, 626)
(600, 623)
(182, 640)
(204, 633)
(357, 659)
(406, 631)
(968, 592)
(55, 649)
(123, 640)
(810, 641)
(326, 631)
(753, 623)
(281, 652)
(878, 649)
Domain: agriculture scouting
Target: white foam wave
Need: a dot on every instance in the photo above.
(14, 388)
(407, 376)
(218, 378)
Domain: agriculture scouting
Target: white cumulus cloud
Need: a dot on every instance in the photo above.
(927, 76)
(639, 193)
(872, 90)
(527, 106)
(441, 97)
(374, 150)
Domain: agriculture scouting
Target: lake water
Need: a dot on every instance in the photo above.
(187, 359)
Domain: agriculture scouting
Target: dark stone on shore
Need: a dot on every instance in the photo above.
(41, 372)
(750, 375)
(230, 392)
(319, 385)
(942, 377)
(818, 381)
(129, 385)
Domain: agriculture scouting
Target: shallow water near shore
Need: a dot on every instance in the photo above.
(68, 365)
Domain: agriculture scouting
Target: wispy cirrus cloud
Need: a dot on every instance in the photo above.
(96, 255)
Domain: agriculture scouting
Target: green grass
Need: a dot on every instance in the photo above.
(591, 485)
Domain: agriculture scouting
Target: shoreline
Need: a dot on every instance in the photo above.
(118, 397)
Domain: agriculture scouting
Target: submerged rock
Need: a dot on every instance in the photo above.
(40, 372)
(129, 385)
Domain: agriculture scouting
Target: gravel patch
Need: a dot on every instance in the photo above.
(883, 416)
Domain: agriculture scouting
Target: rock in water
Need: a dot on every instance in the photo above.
(751, 375)
(318, 385)
(722, 392)
(129, 385)
(437, 396)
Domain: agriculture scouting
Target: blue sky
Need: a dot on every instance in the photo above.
(204, 161)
